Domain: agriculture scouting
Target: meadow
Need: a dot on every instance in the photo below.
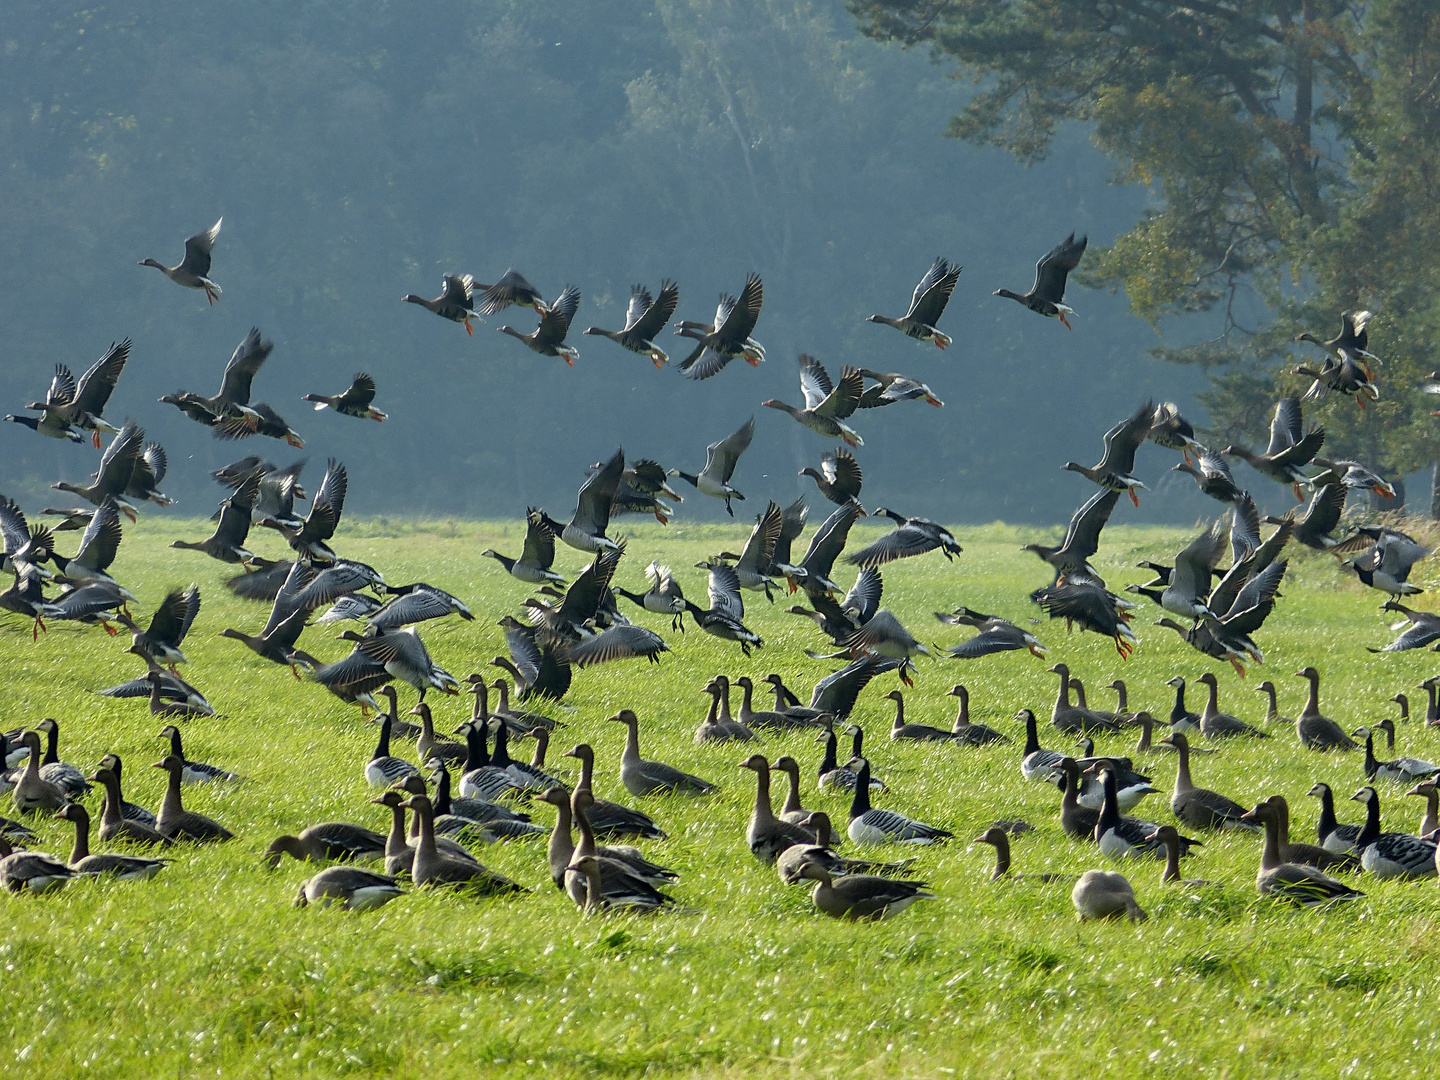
(209, 970)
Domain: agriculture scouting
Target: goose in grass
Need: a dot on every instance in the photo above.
(927, 304)
(642, 777)
(526, 777)
(400, 848)
(1391, 854)
(561, 848)
(1131, 787)
(1402, 770)
(78, 405)
(1309, 854)
(1071, 559)
(348, 887)
(717, 728)
(481, 778)
(963, 729)
(766, 834)
(538, 555)
(456, 301)
(1047, 296)
(1333, 836)
(663, 595)
(1076, 821)
(891, 387)
(521, 721)
(195, 772)
(432, 867)
(128, 810)
(355, 401)
(1000, 841)
(791, 809)
(31, 871)
(1387, 565)
(1074, 719)
(548, 338)
(787, 866)
(1198, 807)
(1168, 837)
(644, 318)
(90, 565)
(114, 826)
(1213, 477)
(884, 636)
(1289, 449)
(478, 811)
(724, 618)
(70, 780)
(1215, 724)
(1429, 790)
(911, 536)
(1272, 708)
(720, 461)
(1104, 894)
(1296, 882)
(867, 897)
(728, 337)
(1172, 431)
(33, 793)
(383, 769)
(599, 891)
(827, 404)
(611, 820)
(123, 867)
(1316, 731)
(900, 730)
(177, 823)
(764, 719)
(831, 775)
(871, 826)
(1114, 470)
(193, 271)
(329, 841)
(427, 746)
(996, 635)
(1345, 377)
(1121, 837)
(839, 478)
(1036, 763)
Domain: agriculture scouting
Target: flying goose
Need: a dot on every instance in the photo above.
(720, 460)
(1346, 377)
(996, 635)
(662, 596)
(1198, 807)
(1296, 882)
(355, 401)
(1351, 342)
(1046, 297)
(455, 302)
(177, 823)
(827, 404)
(403, 655)
(883, 636)
(753, 565)
(813, 572)
(728, 336)
(117, 465)
(1104, 894)
(1386, 566)
(511, 290)
(1212, 476)
(891, 387)
(1172, 431)
(1070, 559)
(537, 556)
(642, 777)
(1290, 448)
(1391, 854)
(193, 271)
(860, 896)
(871, 826)
(160, 641)
(911, 536)
(644, 318)
(1353, 476)
(927, 304)
(1114, 471)
(352, 888)
(71, 405)
(724, 618)
(586, 530)
(548, 338)
(839, 478)
(309, 539)
(227, 542)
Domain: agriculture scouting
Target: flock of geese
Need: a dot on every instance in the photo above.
(438, 820)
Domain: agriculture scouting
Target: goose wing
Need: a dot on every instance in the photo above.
(863, 599)
(1398, 553)
(815, 382)
(1122, 440)
(457, 291)
(329, 503)
(96, 384)
(101, 538)
(539, 540)
(510, 289)
(175, 615)
(198, 248)
(640, 302)
(703, 363)
(1193, 564)
(117, 464)
(997, 639)
(235, 517)
(724, 589)
(720, 457)
(842, 471)
(655, 315)
(61, 391)
(414, 607)
(759, 547)
(901, 543)
(244, 363)
(360, 394)
(618, 643)
(1082, 538)
(1285, 426)
(829, 540)
(836, 693)
(740, 320)
(592, 508)
(555, 323)
(1244, 528)
(792, 525)
(928, 301)
(844, 399)
(1054, 268)
(1323, 513)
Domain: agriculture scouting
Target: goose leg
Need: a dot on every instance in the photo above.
(95, 439)
(1066, 321)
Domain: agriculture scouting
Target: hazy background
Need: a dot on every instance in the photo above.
(360, 150)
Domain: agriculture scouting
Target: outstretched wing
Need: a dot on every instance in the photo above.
(928, 302)
(1054, 268)
(97, 383)
(249, 355)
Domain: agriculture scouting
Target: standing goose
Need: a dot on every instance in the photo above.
(1046, 297)
(1078, 822)
(1114, 471)
(177, 823)
(432, 867)
(927, 304)
(1103, 894)
(1217, 725)
(327, 842)
(1198, 807)
(791, 811)
(839, 478)
(33, 793)
(1317, 732)
(891, 387)
(720, 460)
(1272, 706)
(427, 746)
(538, 555)
(766, 834)
(645, 318)
(116, 828)
(193, 271)
(871, 826)
(642, 777)
(384, 770)
(1296, 882)
(128, 810)
(911, 536)
(1429, 790)
(70, 780)
(834, 776)
(400, 849)
(609, 819)
(728, 336)
(352, 888)
(1072, 719)
(1118, 837)
(194, 772)
(561, 850)
(860, 896)
(827, 404)
(591, 876)
(355, 401)
(1333, 837)
(1289, 449)
(31, 871)
(455, 302)
(1213, 477)
(996, 635)
(1404, 770)
(526, 777)
(1391, 854)
(548, 338)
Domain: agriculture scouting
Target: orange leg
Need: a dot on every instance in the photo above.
(468, 328)
(1359, 400)
(1133, 497)
(1238, 669)
(95, 439)
(1066, 321)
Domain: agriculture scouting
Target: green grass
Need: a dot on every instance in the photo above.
(208, 970)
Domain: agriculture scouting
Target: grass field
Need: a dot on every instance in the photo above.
(209, 971)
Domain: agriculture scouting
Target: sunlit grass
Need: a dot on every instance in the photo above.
(209, 970)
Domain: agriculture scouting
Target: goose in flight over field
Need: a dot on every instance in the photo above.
(69, 404)
(1114, 470)
(891, 387)
(355, 401)
(927, 304)
(645, 318)
(1047, 296)
(455, 301)
(193, 271)
(827, 404)
(548, 339)
(728, 336)
(720, 460)
(1290, 447)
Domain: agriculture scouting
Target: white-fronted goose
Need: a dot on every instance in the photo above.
(1290, 448)
(1217, 725)
(642, 777)
(609, 819)
(766, 834)
(455, 302)
(383, 769)
(710, 729)
(399, 848)
(871, 826)
(728, 336)
(791, 810)
(1047, 296)
(1317, 732)
(548, 338)
(115, 827)
(788, 865)
(427, 746)
(124, 867)
(612, 891)
(195, 772)
(70, 405)
(330, 841)
(33, 793)
(431, 867)
(1346, 377)
(1296, 882)
(178, 823)
(884, 636)
(1391, 854)
(172, 620)
(644, 318)
(1198, 807)
(891, 387)
(1352, 340)
(861, 896)
(1114, 472)
(1072, 719)
(927, 304)
(914, 732)
(764, 719)
(352, 888)
(1103, 894)
(720, 460)
(1429, 790)
(1272, 707)
(403, 655)
(561, 849)
(1309, 854)
(1403, 770)
(227, 542)
(1213, 477)
(995, 635)
(355, 401)
(827, 405)
(1333, 836)
(1168, 837)
(193, 271)
(1172, 431)
(31, 871)
(70, 780)
(512, 290)
(912, 536)
(998, 839)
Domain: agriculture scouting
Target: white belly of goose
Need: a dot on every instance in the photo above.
(388, 771)
(369, 897)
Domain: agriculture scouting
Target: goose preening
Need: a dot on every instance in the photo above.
(1299, 883)
(644, 318)
(720, 460)
(1104, 894)
(72, 407)
(1047, 296)
(871, 826)
(996, 635)
(177, 823)
(927, 304)
(839, 478)
(455, 302)
(827, 404)
(642, 777)
(728, 336)
(1113, 472)
(1289, 449)
(861, 896)
(355, 401)
(548, 338)
(1391, 854)
(350, 887)
(193, 271)
(1198, 807)
(123, 867)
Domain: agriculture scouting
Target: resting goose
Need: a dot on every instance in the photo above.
(383, 770)
(900, 730)
(1131, 786)
(965, 731)
(1334, 837)
(195, 772)
(1391, 855)
(561, 849)
(766, 834)
(1198, 807)
(1272, 708)
(31, 871)
(834, 776)
(431, 867)
(861, 896)
(1181, 718)
(927, 304)
(1047, 296)
(609, 819)
(33, 793)
(177, 823)
(479, 811)
(193, 271)
(997, 838)
(1117, 836)
(823, 851)
(1103, 894)
(70, 780)
(1072, 719)
(482, 778)
(1170, 839)
(1404, 770)
(124, 867)
(642, 777)
(612, 881)
(1217, 725)
(1317, 732)
(1309, 854)
(1037, 763)
(1147, 723)
(1429, 790)
(764, 719)
(352, 888)
(871, 826)
(526, 777)
(399, 849)
(427, 746)
(1296, 882)
(115, 828)
(327, 842)
(128, 810)
(791, 810)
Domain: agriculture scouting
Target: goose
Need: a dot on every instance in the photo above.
(827, 404)
(787, 866)
(1334, 837)
(720, 460)
(1181, 718)
(114, 827)
(1146, 723)
(403, 655)
(33, 793)
(663, 595)
(31, 871)
(1046, 297)
(995, 635)
(427, 746)
(1309, 854)
(1289, 448)
(883, 636)
(1104, 894)
(835, 776)
(1114, 471)
(728, 336)
(481, 778)
(310, 539)
(1168, 837)
(1387, 728)
(644, 318)
(1404, 770)
(1213, 477)
(98, 546)
(1078, 822)
(1353, 476)
(586, 530)
(430, 866)
(1391, 855)
(1000, 841)
(511, 290)
(1072, 719)
(520, 721)
(791, 810)
(1093, 607)
(1423, 629)
(227, 542)
(608, 819)
(1430, 792)
(891, 387)
(1386, 566)
(1082, 539)
(1198, 807)
(1315, 731)
(399, 850)
(50, 425)
(538, 555)
(455, 302)
(350, 887)
(718, 725)
(911, 536)
(548, 338)
(870, 826)
(70, 780)
(329, 841)
(1217, 725)
(914, 732)
(383, 770)
(123, 867)
(814, 570)
(69, 404)
(172, 620)
(409, 604)
(279, 488)
(766, 834)
(1130, 786)
(598, 891)
(642, 777)
(861, 896)
(1119, 837)
(1296, 882)
(764, 719)
(1036, 763)
(753, 564)
(1345, 377)
(1172, 431)
(480, 811)
(927, 304)
(355, 401)
(561, 848)
(1432, 708)
(526, 777)
(963, 729)
(641, 485)
(193, 271)
(1190, 580)
(1272, 708)
(1404, 703)
(128, 810)
(723, 619)
(232, 402)
(177, 823)
(1351, 342)
(1313, 526)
